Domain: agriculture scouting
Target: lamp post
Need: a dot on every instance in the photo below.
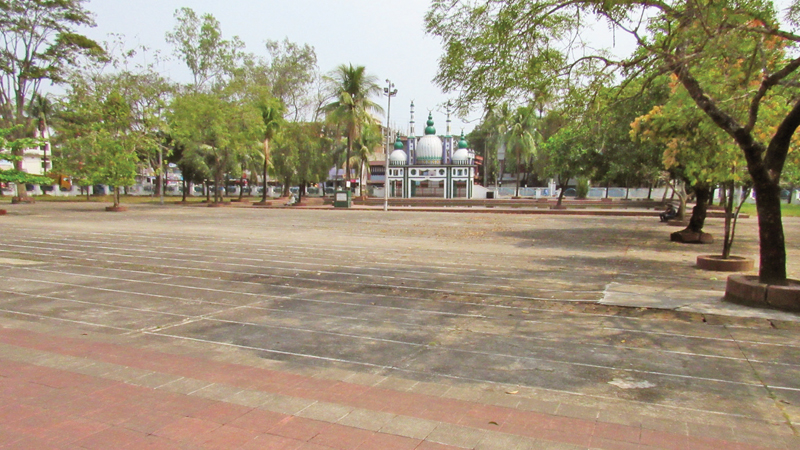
(390, 92)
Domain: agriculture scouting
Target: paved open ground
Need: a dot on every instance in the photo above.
(191, 327)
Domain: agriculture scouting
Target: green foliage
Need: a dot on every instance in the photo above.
(351, 87)
(503, 50)
(198, 42)
(301, 154)
(582, 188)
(109, 124)
(11, 149)
(216, 130)
(38, 43)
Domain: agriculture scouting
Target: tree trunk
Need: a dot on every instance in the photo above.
(286, 190)
(241, 185)
(347, 160)
(185, 188)
(727, 242)
(563, 187)
(698, 219)
(772, 268)
(266, 163)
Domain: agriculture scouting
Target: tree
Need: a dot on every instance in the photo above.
(272, 116)
(39, 43)
(10, 149)
(198, 42)
(216, 129)
(291, 71)
(521, 137)
(110, 122)
(495, 49)
(369, 140)
(352, 88)
(41, 110)
(568, 154)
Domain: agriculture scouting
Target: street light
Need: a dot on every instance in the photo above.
(390, 92)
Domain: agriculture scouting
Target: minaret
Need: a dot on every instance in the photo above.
(412, 139)
(411, 124)
(448, 139)
(448, 120)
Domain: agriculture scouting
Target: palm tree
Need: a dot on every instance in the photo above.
(41, 109)
(272, 111)
(352, 87)
(521, 136)
(369, 140)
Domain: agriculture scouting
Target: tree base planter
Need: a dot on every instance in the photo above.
(719, 264)
(691, 237)
(18, 200)
(218, 205)
(116, 208)
(558, 207)
(244, 200)
(262, 204)
(747, 290)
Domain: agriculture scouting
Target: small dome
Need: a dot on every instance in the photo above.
(398, 158)
(430, 129)
(462, 143)
(461, 156)
(429, 147)
(398, 144)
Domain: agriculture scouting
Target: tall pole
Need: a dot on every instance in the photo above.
(390, 92)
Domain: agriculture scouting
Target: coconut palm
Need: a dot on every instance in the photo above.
(272, 111)
(521, 136)
(368, 141)
(41, 110)
(351, 87)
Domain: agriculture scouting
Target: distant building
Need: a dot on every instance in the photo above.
(431, 165)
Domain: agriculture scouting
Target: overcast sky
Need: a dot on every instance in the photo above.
(385, 36)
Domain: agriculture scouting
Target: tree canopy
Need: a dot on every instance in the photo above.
(504, 49)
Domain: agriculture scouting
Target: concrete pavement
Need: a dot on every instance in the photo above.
(251, 328)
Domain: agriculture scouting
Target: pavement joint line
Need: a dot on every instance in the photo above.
(782, 388)
(319, 271)
(376, 295)
(111, 371)
(289, 277)
(281, 250)
(367, 364)
(271, 261)
(189, 320)
(246, 293)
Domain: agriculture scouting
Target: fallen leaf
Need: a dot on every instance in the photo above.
(492, 423)
(512, 392)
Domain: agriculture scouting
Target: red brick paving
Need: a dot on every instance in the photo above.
(42, 407)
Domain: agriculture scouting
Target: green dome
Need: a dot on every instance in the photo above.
(462, 143)
(398, 144)
(430, 130)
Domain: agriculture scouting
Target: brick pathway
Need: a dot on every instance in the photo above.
(70, 393)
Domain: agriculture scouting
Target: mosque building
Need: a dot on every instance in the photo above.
(431, 165)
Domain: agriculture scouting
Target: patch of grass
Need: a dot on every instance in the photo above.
(787, 210)
(125, 199)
